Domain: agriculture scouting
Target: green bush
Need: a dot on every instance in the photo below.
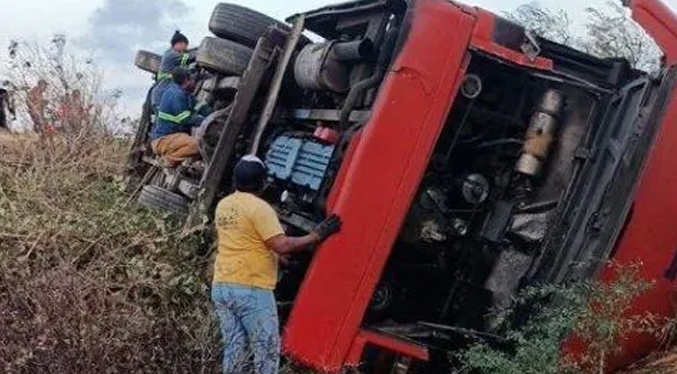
(595, 313)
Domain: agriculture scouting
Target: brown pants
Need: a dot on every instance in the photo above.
(176, 148)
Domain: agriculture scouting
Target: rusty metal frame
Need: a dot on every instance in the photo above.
(276, 85)
(250, 83)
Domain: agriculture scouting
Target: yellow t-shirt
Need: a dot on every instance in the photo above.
(244, 222)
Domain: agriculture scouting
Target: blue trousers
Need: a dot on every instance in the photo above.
(250, 329)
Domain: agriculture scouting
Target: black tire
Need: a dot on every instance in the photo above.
(148, 61)
(155, 197)
(223, 56)
(210, 131)
(241, 24)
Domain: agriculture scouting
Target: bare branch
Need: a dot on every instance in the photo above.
(609, 32)
(544, 22)
(612, 33)
(76, 100)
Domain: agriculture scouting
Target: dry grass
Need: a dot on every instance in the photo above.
(659, 363)
(88, 283)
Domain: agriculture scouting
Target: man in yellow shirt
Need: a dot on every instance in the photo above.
(250, 239)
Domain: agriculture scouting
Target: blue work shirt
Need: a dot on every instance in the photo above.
(170, 61)
(177, 113)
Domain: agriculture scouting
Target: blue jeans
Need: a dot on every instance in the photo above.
(250, 328)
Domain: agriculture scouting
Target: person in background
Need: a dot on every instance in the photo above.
(174, 57)
(64, 111)
(72, 112)
(177, 116)
(37, 104)
(78, 110)
(7, 112)
(250, 240)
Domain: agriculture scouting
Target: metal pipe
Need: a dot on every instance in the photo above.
(276, 85)
(353, 50)
(358, 89)
(355, 94)
(538, 207)
(499, 142)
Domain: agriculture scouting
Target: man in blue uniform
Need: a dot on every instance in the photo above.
(176, 56)
(177, 115)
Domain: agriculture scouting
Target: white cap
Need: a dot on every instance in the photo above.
(252, 158)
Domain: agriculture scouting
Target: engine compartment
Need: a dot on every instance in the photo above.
(325, 99)
(490, 196)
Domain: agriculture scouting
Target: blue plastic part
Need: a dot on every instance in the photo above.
(299, 161)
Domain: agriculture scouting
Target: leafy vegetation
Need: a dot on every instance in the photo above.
(542, 317)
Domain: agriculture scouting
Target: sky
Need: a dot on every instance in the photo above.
(111, 31)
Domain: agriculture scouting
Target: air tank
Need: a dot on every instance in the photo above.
(541, 133)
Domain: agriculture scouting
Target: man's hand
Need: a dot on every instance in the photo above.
(327, 228)
(283, 260)
(285, 245)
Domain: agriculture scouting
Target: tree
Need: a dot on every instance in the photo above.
(95, 108)
(544, 22)
(609, 31)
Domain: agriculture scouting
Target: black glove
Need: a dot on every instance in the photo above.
(328, 227)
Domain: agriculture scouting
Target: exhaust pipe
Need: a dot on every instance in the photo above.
(353, 50)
